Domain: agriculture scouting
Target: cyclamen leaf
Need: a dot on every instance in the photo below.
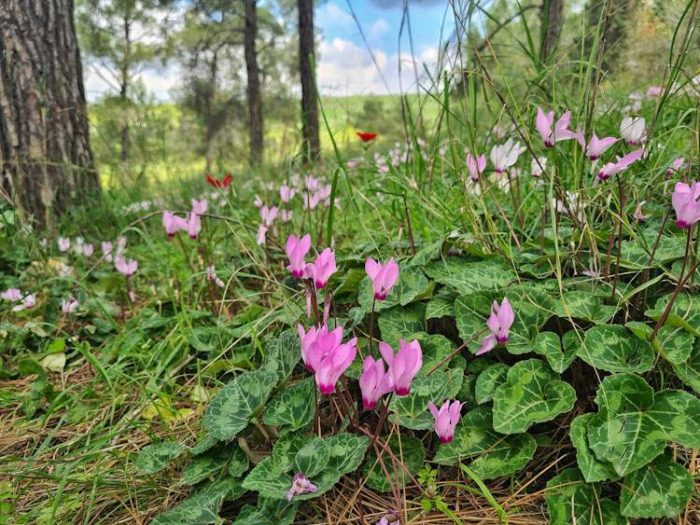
(231, 409)
(411, 286)
(591, 467)
(571, 500)
(491, 455)
(633, 424)
(661, 489)
(203, 506)
(401, 323)
(282, 354)
(467, 277)
(560, 353)
(313, 457)
(292, 407)
(531, 394)
(614, 349)
(156, 457)
(579, 304)
(488, 381)
(689, 371)
(346, 452)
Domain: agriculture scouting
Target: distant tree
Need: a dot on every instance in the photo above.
(552, 19)
(254, 96)
(311, 142)
(120, 38)
(612, 17)
(46, 164)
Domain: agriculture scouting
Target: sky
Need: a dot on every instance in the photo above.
(345, 65)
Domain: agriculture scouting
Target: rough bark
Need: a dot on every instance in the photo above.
(311, 143)
(552, 19)
(255, 116)
(46, 163)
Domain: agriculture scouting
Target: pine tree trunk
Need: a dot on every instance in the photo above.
(311, 143)
(255, 116)
(46, 164)
(552, 17)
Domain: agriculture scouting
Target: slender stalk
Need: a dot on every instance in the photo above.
(619, 235)
(679, 286)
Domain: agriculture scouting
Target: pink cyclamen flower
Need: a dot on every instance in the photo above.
(487, 344)
(88, 249)
(261, 236)
(296, 249)
(194, 225)
(333, 364)
(446, 419)
(550, 132)
(596, 146)
(28, 302)
(383, 276)
(300, 485)
(685, 203)
(500, 320)
(638, 215)
(322, 268)
(70, 305)
(505, 155)
(316, 343)
(654, 91)
(268, 215)
(286, 215)
(199, 206)
(106, 248)
(11, 294)
(633, 130)
(374, 382)
(476, 166)
(257, 202)
(404, 365)
(172, 224)
(63, 244)
(676, 166)
(126, 268)
(537, 166)
(613, 168)
(286, 193)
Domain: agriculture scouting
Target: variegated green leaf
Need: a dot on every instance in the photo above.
(613, 348)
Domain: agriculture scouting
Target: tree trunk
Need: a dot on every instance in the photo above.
(124, 94)
(552, 17)
(612, 14)
(46, 163)
(311, 143)
(255, 116)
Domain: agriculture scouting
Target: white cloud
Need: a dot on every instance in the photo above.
(347, 69)
(331, 14)
(378, 29)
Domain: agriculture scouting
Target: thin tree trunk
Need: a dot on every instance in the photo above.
(552, 19)
(255, 116)
(124, 94)
(46, 164)
(311, 143)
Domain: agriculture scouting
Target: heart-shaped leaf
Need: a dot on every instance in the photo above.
(154, 458)
(488, 381)
(591, 467)
(491, 455)
(633, 424)
(661, 489)
(312, 458)
(292, 407)
(571, 500)
(689, 371)
(579, 304)
(613, 348)
(467, 276)
(559, 353)
(401, 323)
(411, 286)
(282, 354)
(531, 394)
(231, 409)
(202, 507)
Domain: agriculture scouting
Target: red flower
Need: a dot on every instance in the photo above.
(223, 183)
(366, 136)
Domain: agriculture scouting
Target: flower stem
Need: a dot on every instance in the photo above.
(679, 286)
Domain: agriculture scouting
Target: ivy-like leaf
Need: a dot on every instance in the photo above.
(154, 458)
(410, 457)
(267, 512)
(282, 354)
(571, 500)
(488, 381)
(269, 478)
(346, 452)
(491, 455)
(614, 349)
(412, 410)
(531, 394)
(292, 407)
(203, 506)
(689, 371)
(591, 467)
(468, 277)
(205, 466)
(579, 304)
(401, 323)
(633, 424)
(559, 353)
(411, 286)
(661, 489)
(684, 313)
(231, 409)
(313, 457)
